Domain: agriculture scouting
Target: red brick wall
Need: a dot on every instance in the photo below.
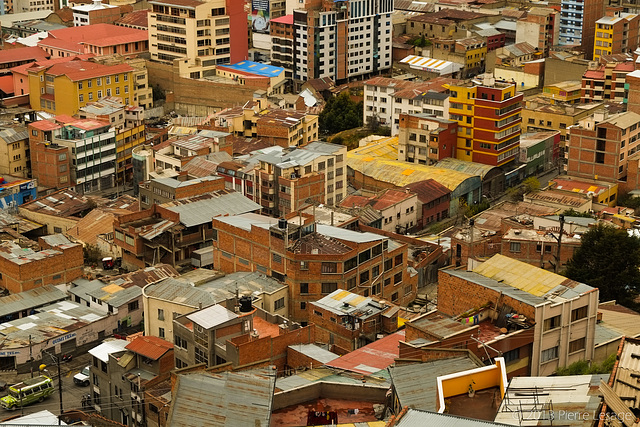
(61, 268)
(457, 295)
(530, 253)
(296, 360)
(203, 187)
(273, 348)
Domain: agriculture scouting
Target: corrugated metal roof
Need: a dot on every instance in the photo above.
(213, 316)
(224, 399)
(179, 292)
(149, 346)
(28, 299)
(471, 168)
(195, 212)
(315, 352)
(14, 134)
(418, 418)
(402, 173)
(510, 291)
(416, 384)
(529, 278)
(372, 357)
(103, 351)
(348, 235)
(343, 302)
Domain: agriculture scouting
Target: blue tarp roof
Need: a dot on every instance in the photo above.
(256, 68)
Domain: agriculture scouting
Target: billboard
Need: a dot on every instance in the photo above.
(260, 16)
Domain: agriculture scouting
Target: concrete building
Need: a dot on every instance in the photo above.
(77, 83)
(616, 32)
(471, 52)
(425, 139)
(539, 151)
(342, 40)
(182, 295)
(282, 44)
(347, 321)
(59, 211)
(600, 146)
(483, 136)
(95, 13)
(202, 33)
(446, 23)
(540, 27)
(564, 311)
(385, 99)
(99, 39)
(14, 146)
(578, 23)
(61, 328)
(397, 207)
(24, 269)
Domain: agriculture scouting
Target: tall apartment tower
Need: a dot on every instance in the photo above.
(205, 33)
(616, 32)
(342, 39)
(489, 121)
(578, 22)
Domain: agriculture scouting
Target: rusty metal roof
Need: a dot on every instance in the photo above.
(205, 399)
(148, 346)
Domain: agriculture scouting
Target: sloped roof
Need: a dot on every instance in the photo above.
(137, 18)
(471, 168)
(23, 54)
(200, 209)
(371, 358)
(148, 346)
(81, 70)
(212, 316)
(223, 399)
(98, 221)
(428, 190)
(73, 38)
(103, 351)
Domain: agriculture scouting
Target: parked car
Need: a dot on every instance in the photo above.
(82, 377)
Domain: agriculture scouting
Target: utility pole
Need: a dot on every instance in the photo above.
(30, 357)
(557, 266)
(56, 360)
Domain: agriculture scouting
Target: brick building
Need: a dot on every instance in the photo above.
(282, 40)
(215, 335)
(562, 312)
(348, 321)
(162, 190)
(171, 232)
(540, 27)
(426, 139)
(600, 146)
(606, 81)
(314, 259)
(176, 152)
(95, 13)
(433, 201)
(24, 269)
(539, 247)
(397, 207)
(289, 180)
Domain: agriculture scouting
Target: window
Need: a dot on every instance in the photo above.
(552, 323)
(576, 345)
(277, 258)
(278, 304)
(511, 355)
(180, 342)
(549, 354)
(327, 288)
(134, 305)
(303, 305)
(57, 230)
(578, 313)
(388, 264)
(329, 267)
(304, 265)
(398, 260)
(81, 98)
(160, 314)
(364, 277)
(161, 332)
(351, 282)
(350, 264)
(397, 278)
(304, 288)
(514, 247)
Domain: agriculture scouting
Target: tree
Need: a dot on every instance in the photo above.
(340, 113)
(608, 259)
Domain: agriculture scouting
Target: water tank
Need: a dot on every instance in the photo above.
(282, 223)
(245, 304)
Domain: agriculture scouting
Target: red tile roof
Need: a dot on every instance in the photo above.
(286, 19)
(6, 84)
(185, 3)
(22, 54)
(371, 358)
(81, 70)
(74, 38)
(65, 14)
(22, 69)
(428, 190)
(137, 18)
(44, 125)
(151, 347)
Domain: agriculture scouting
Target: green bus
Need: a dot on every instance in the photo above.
(27, 392)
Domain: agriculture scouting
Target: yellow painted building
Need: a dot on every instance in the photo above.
(64, 88)
(567, 91)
